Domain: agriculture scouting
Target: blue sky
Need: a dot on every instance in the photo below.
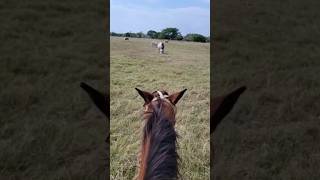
(189, 16)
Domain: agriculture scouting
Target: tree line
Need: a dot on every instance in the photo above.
(167, 33)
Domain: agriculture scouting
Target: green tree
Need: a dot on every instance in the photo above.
(152, 34)
(169, 33)
(161, 35)
(127, 34)
(158, 35)
(179, 37)
(140, 35)
(195, 38)
(130, 34)
(115, 34)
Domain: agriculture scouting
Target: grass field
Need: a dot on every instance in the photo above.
(49, 128)
(272, 47)
(135, 63)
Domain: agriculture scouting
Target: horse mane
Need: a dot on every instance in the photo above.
(161, 161)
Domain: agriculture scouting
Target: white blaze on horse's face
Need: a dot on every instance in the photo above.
(161, 95)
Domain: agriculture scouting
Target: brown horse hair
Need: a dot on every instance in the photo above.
(159, 157)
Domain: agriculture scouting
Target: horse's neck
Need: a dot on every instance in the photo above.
(158, 154)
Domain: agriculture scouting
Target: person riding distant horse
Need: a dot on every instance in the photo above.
(161, 47)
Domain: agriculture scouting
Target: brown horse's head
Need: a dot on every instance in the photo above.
(158, 157)
(152, 102)
(222, 105)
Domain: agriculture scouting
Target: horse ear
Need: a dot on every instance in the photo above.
(145, 95)
(221, 106)
(98, 98)
(175, 97)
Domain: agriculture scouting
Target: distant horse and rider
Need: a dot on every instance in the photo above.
(159, 45)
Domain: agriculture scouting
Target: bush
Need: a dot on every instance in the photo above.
(195, 38)
(179, 37)
(116, 34)
(152, 34)
(130, 34)
(169, 33)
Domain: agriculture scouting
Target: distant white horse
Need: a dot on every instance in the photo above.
(161, 47)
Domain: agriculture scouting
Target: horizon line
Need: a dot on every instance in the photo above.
(156, 31)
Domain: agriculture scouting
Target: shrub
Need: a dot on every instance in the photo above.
(195, 38)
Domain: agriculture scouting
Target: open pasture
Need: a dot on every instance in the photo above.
(135, 63)
(49, 128)
(273, 48)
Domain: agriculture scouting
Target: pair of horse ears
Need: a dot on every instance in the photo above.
(101, 101)
(219, 106)
(222, 105)
(97, 97)
(174, 98)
